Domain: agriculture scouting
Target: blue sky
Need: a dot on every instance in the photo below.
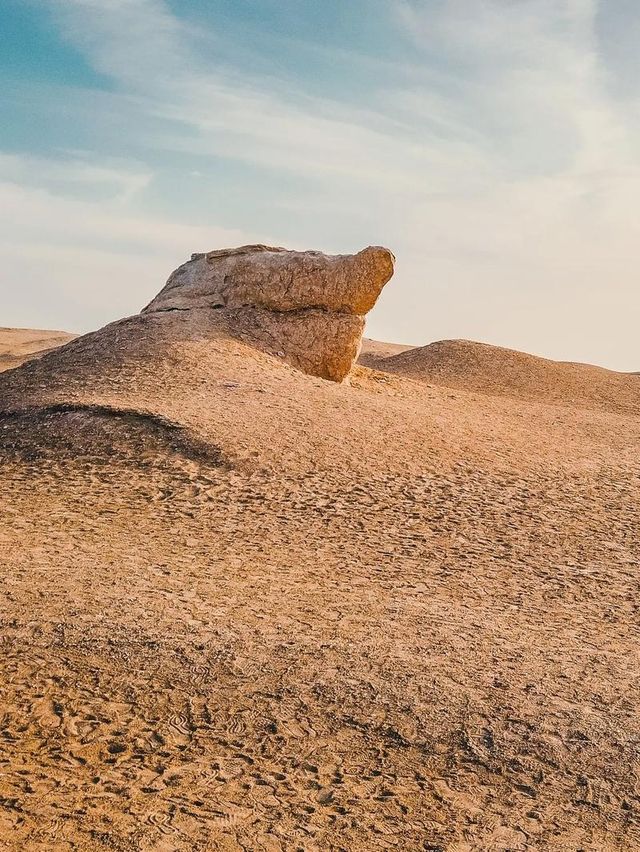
(491, 144)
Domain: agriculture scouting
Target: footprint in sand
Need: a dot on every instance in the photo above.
(46, 713)
(227, 818)
(237, 726)
(180, 729)
(162, 821)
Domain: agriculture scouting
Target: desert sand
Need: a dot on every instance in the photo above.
(247, 608)
(18, 345)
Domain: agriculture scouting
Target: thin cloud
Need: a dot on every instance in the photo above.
(492, 158)
(74, 170)
(81, 262)
(146, 51)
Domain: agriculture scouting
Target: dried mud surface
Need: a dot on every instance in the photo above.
(246, 609)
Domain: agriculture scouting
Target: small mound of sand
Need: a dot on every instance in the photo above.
(506, 372)
(98, 432)
(373, 351)
(18, 345)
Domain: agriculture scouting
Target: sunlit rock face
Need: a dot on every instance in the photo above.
(306, 307)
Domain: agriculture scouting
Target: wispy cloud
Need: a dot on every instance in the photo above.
(553, 228)
(88, 258)
(148, 52)
(74, 169)
(492, 156)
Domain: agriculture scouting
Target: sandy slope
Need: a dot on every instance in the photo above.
(18, 345)
(494, 370)
(244, 608)
(374, 351)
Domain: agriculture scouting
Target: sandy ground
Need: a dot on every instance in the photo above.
(246, 609)
(18, 345)
(374, 352)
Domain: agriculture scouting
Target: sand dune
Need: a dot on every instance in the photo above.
(18, 345)
(375, 350)
(505, 372)
(247, 608)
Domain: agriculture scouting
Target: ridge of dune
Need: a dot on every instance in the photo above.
(495, 370)
(18, 345)
(374, 351)
(248, 608)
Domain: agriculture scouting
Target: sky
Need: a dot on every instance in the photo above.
(492, 145)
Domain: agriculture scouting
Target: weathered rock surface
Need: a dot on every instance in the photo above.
(306, 307)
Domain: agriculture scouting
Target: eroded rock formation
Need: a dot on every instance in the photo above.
(306, 307)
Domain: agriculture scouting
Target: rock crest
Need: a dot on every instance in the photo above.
(306, 307)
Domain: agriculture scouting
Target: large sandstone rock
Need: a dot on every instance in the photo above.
(306, 307)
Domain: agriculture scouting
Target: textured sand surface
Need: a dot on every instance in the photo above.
(18, 345)
(374, 351)
(494, 370)
(243, 608)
